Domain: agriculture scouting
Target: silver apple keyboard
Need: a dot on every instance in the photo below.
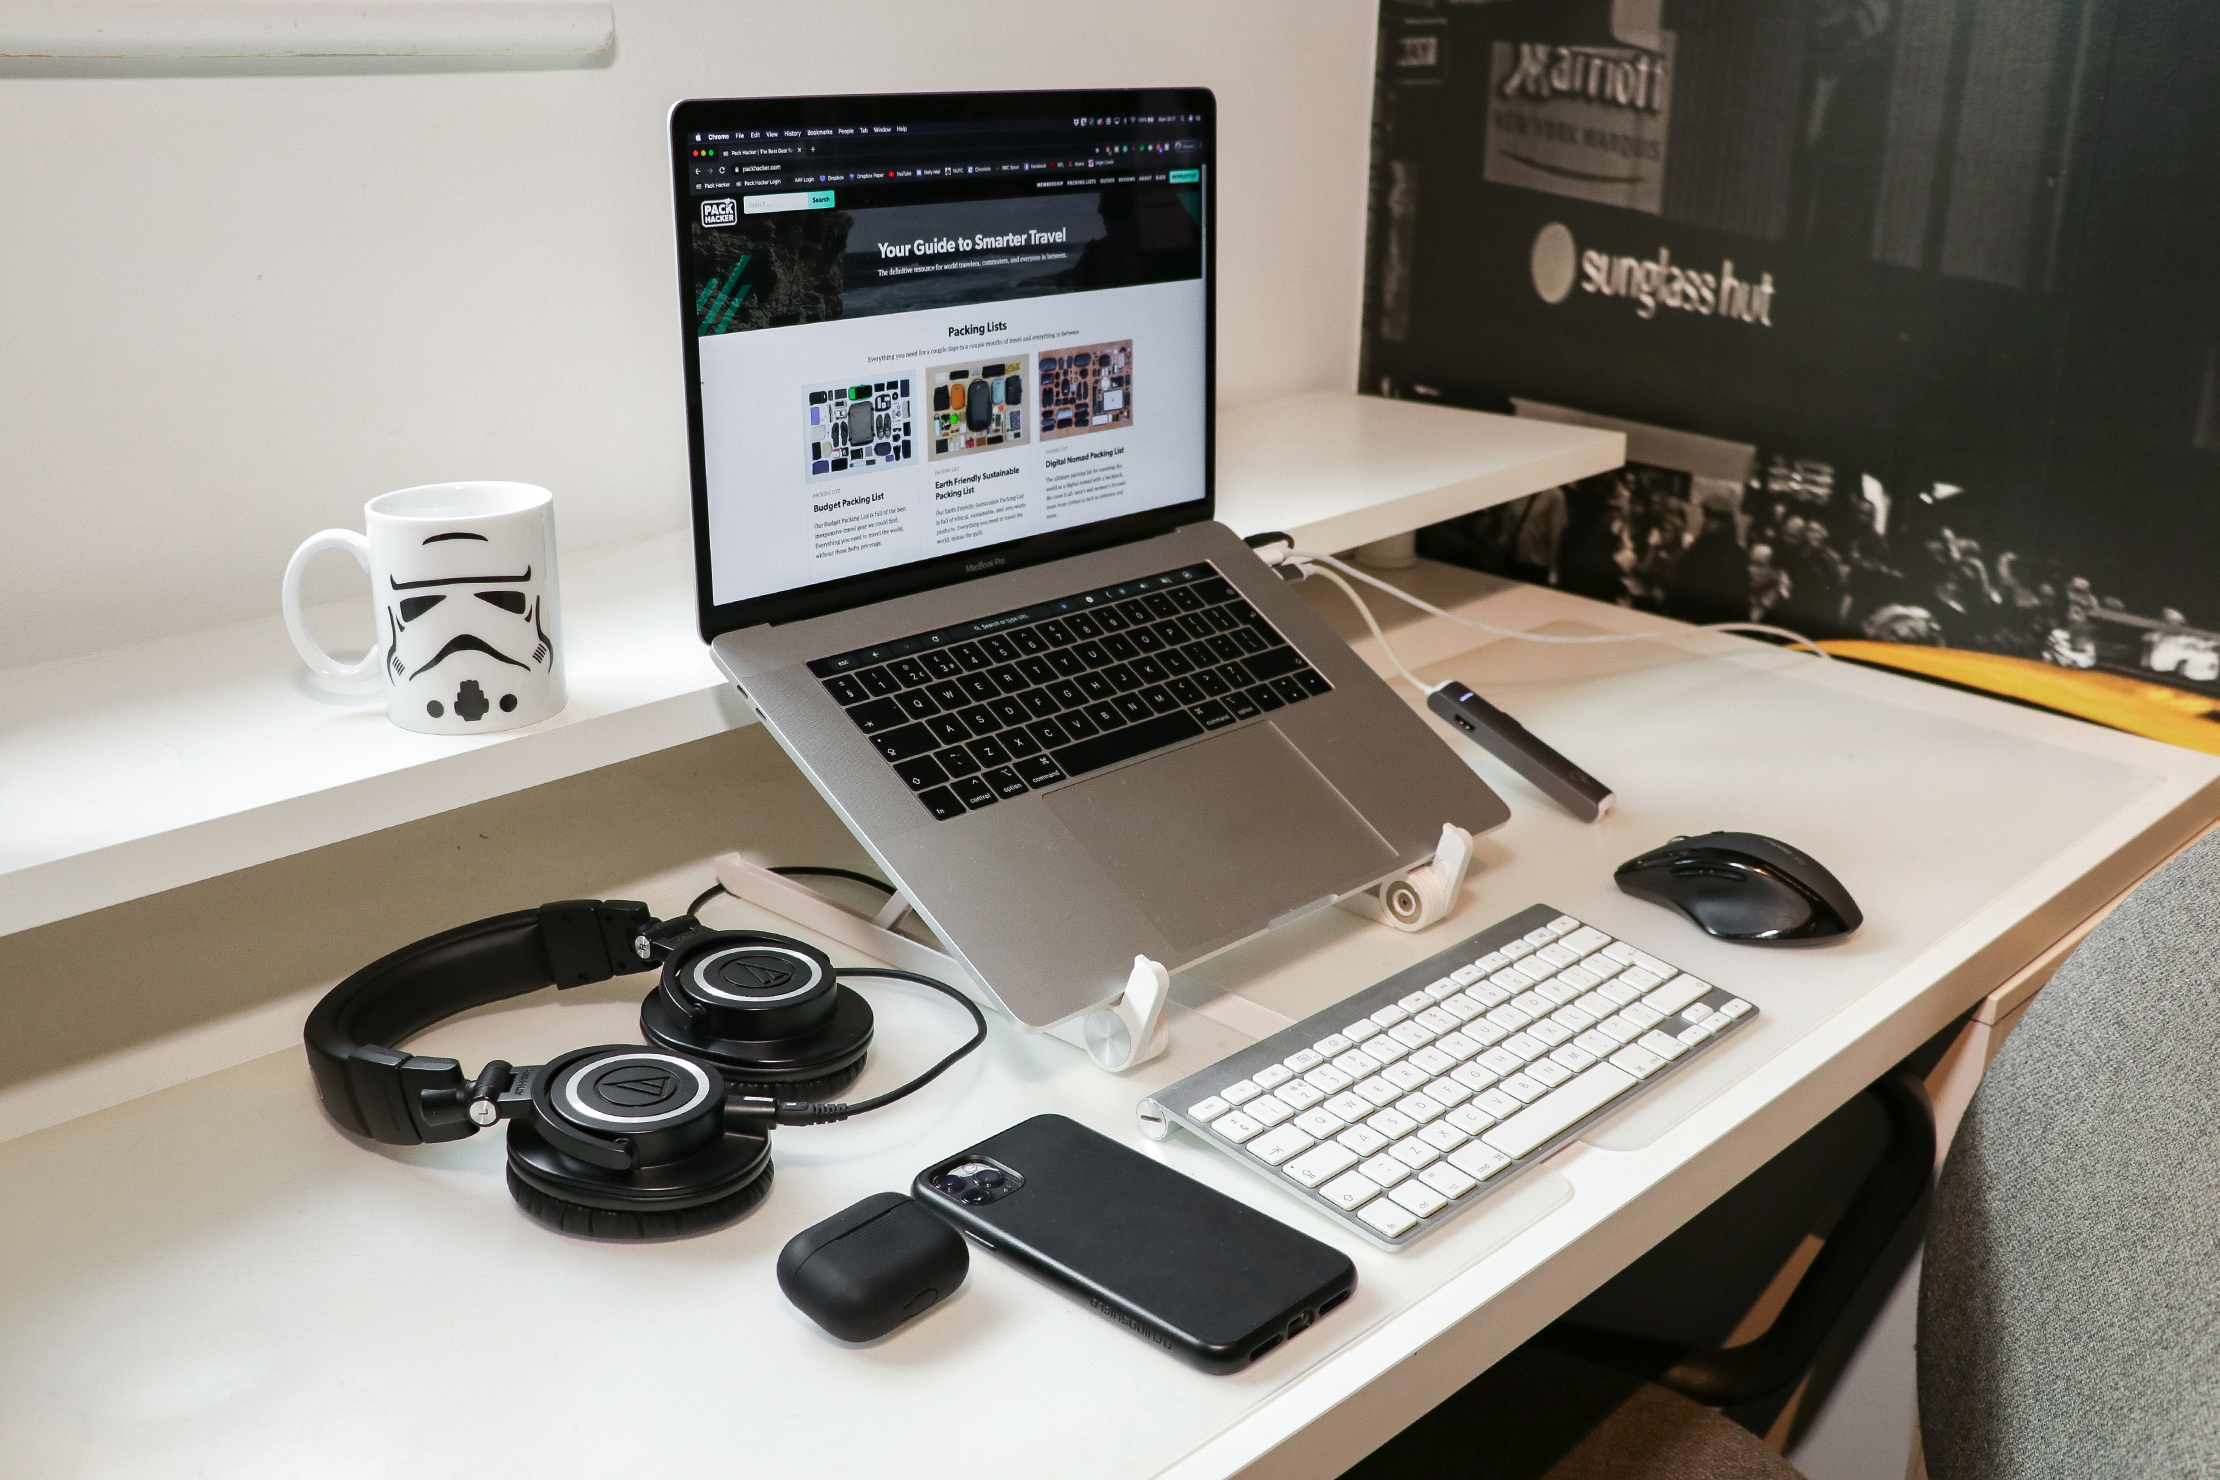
(1408, 1102)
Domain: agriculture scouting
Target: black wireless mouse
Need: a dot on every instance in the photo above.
(1745, 887)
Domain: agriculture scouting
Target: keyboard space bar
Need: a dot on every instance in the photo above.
(1125, 744)
(1559, 1110)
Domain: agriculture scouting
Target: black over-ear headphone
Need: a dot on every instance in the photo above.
(620, 1141)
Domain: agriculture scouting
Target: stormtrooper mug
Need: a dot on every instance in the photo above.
(463, 575)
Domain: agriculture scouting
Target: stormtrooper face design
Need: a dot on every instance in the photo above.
(464, 633)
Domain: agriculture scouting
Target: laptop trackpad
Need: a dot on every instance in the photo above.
(1216, 840)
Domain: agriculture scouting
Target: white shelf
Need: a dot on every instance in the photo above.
(128, 772)
(1337, 470)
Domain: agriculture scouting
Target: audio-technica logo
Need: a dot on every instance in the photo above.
(720, 212)
(636, 1086)
(764, 976)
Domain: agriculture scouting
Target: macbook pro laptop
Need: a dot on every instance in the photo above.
(949, 378)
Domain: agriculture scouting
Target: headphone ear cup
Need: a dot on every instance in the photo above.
(822, 1088)
(767, 1010)
(614, 1226)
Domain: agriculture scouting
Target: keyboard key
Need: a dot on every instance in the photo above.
(1584, 940)
(1329, 1080)
(1465, 976)
(1557, 955)
(1509, 1019)
(1497, 1103)
(1665, 1048)
(1385, 1170)
(1391, 1221)
(1737, 1008)
(1618, 1029)
(941, 802)
(921, 772)
(1447, 1180)
(1457, 1046)
(1319, 1163)
(1523, 1088)
(1386, 1048)
(1208, 1110)
(1415, 1002)
(1360, 1030)
(1501, 1061)
(1462, 1007)
(1126, 743)
(1518, 950)
(1641, 1015)
(1718, 1022)
(1574, 1017)
(1333, 1045)
(1619, 991)
(1619, 951)
(1695, 1037)
(1640, 979)
(1300, 1094)
(1639, 1062)
(1475, 1077)
(1443, 990)
(1241, 1091)
(1597, 1043)
(1270, 1109)
(1525, 1045)
(974, 793)
(1272, 1076)
(1432, 1061)
(1418, 1198)
(1214, 716)
(1572, 1056)
(1580, 977)
(1421, 1108)
(877, 715)
(1559, 1111)
(1351, 1108)
(1350, 1191)
(1378, 1091)
(1320, 1122)
(1006, 782)
(1039, 770)
(1363, 1140)
(1434, 1020)
(1405, 1077)
(1442, 1136)
(1557, 991)
(1412, 1034)
(1273, 664)
(957, 761)
(1236, 1127)
(1414, 1153)
(1274, 1147)
(1303, 1060)
(1549, 1032)
(1562, 925)
(1478, 1159)
(1358, 1064)
(1676, 994)
(1534, 968)
(901, 744)
(1549, 1072)
(1470, 1119)
(989, 752)
(1393, 1124)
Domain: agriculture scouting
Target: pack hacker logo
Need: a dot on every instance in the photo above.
(724, 212)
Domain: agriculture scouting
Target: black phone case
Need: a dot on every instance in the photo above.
(1212, 1281)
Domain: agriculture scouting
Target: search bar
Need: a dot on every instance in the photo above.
(793, 200)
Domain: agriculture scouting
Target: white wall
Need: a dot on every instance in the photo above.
(234, 304)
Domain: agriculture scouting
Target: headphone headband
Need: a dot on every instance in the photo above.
(375, 1090)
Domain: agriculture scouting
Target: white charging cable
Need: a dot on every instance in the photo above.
(1333, 570)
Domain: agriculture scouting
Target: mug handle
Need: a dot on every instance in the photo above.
(346, 678)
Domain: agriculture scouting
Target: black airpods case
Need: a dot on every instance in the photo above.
(872, 1266)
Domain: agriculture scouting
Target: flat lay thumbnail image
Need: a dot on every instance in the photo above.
(1087, 390)
(858, 426)
(976, 407)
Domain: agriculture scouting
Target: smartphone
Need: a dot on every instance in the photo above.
(1210, 1280)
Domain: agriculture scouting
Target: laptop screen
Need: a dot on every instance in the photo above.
(932, 336)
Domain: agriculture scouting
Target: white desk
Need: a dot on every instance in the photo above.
(214, 1280)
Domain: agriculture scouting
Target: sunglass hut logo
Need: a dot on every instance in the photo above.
(1650, 283)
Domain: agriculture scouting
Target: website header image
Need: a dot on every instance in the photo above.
(847, 259)
(1089, 389)
(858, 426)
(977, 406)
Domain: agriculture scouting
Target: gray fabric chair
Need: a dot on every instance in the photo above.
(2069, 1315)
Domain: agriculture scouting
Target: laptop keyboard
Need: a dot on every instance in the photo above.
(1401, 1106)
(987, 710)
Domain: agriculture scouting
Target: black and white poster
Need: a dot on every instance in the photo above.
(1910, 308)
